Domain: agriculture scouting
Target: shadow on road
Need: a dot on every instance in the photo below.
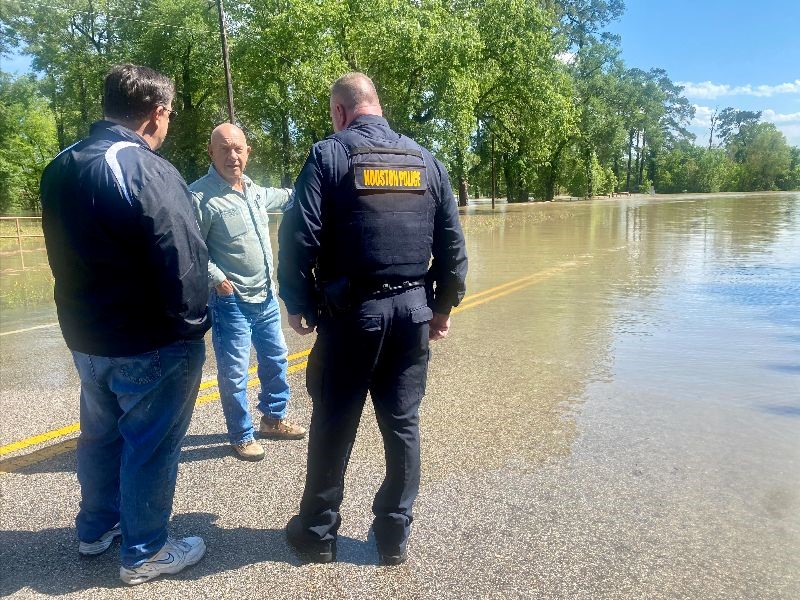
(197, 447)
(60, 457)
(48, 562)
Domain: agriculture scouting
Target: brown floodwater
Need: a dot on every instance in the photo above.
(636, 394)
(624, 372)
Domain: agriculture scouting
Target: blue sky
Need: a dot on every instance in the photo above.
(726, 53)
(16, 64)
(736, 53)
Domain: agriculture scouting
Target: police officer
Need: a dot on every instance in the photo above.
(370, 209)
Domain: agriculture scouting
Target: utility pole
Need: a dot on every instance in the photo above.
(225, 60)
(494, 186)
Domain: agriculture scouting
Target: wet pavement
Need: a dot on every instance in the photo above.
(616, 414)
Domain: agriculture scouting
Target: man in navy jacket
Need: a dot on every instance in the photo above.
(131, 276)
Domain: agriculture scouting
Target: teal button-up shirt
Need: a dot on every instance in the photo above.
(235, 226)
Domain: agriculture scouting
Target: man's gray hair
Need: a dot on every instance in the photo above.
(131, 92)
(354, 89)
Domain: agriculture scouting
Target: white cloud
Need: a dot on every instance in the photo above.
(702, 116)
(788, 123)
(792, 133)
(771, 116)
(708, 90)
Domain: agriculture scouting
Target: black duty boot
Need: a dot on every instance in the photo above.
(393, 558)
(309, 550)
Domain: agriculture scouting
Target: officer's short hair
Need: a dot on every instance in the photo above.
(354, 89)
(131, 92)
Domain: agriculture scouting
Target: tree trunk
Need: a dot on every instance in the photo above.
(630, 152)
(637, 181)
(641, 161)
(84, 107)
(588, 155)
(508, 175)
(552, 174)
(463, 192)
(461, 177)
(286, 177)
(711, 130)
(186, 78)
(59, 115)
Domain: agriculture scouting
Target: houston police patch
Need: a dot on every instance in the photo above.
(390, 178)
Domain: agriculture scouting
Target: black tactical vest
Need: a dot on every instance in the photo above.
(381, 222)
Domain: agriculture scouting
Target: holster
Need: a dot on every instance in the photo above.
(337, 295)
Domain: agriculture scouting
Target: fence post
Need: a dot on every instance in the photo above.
(19, 244)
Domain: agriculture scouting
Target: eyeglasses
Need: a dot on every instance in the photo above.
(172, 113)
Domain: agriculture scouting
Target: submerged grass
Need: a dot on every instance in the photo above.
(26, 289)
(484, 220)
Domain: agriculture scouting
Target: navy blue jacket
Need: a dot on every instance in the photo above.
(324, 179)
(130, 266)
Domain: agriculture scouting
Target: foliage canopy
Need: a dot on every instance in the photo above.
(540, 82)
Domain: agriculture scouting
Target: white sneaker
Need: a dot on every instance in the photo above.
(101, 545)
(172, 558)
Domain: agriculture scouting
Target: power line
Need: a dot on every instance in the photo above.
(71, 11)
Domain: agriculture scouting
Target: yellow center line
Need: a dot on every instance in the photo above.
(213, 382)
(470, 301)
(72, 428)
(472, 297)
(38, 439)
(206, 398)
(28, 329)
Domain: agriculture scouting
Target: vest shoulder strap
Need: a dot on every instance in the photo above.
(359, 150)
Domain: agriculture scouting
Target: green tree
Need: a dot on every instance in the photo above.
(525, 98)
(730, 121)
(181, 40)
(70, 44)
(539, 80)
(791, 181)
(28, 134)
(422, 57)
(599, 104)
(74, 43)
(764, 156)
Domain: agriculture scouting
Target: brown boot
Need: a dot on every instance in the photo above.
(280, 429)
(250, 450)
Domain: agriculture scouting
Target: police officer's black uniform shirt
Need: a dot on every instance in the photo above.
(302, 239)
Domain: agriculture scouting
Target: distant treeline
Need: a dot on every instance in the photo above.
(540, 81)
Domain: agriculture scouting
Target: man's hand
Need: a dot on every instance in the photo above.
(439, 326)
(295, 322)
(225, 288)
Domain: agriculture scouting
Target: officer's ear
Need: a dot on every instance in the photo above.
(338, 116)
(210, 153)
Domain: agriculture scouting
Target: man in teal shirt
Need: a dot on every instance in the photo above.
(232, 213)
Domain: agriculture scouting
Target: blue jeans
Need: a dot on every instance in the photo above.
(135, 411)
(237, 324)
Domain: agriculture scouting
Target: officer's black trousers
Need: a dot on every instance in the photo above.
(380, 346)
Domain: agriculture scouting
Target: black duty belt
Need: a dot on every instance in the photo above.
(387, 288)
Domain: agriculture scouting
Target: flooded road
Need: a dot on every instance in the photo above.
(616, 414)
